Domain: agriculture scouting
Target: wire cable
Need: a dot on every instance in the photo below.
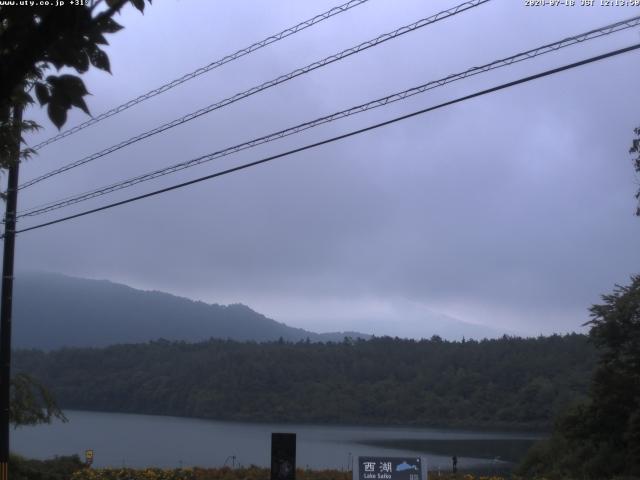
(207, 68)
(271, 83)
(339, 137)
(527, 55)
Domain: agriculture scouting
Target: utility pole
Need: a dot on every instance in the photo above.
(7, 291)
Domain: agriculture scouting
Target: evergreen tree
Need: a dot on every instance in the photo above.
(600, 438)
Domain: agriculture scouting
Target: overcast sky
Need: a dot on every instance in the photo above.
(513, 211)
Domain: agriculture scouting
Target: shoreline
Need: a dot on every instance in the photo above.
(527, 433)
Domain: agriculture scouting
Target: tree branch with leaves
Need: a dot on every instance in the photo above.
(31, 402)
(34, 40)
(635, 149)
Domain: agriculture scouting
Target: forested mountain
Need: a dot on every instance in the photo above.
(53, 311)
(508, 382)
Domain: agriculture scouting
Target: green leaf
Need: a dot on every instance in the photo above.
(98, 38)
(27, 153)
(109, 25)
(53, 80)
(30, 126)
(99, 59)
(57, 114)
(139, 4)
(42, 93)
(81, 62)
(20, 97)
(72, 85)
(80, 103)
(65, 91)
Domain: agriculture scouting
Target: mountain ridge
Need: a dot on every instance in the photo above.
(52, 310)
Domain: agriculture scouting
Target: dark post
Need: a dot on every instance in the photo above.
(283, 456)
(7, 293)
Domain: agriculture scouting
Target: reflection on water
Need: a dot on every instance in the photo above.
(145, 440)
(497, 450)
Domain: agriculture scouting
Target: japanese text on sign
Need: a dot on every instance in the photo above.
(390, 468)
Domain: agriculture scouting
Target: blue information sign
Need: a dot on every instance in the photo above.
(389, 468)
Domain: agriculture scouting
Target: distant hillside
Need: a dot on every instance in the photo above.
(53, 311)
(503, 383)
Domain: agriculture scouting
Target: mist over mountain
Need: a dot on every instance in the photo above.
(53, 311)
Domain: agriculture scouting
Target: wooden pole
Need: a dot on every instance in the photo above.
(7, 293)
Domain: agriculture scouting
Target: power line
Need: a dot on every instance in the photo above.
(340, 137)
(271, 83)
(207, 68)
(529, 54)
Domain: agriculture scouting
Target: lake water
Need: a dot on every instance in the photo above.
(146, 440)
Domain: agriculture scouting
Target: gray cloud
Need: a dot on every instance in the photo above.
(513, 210)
